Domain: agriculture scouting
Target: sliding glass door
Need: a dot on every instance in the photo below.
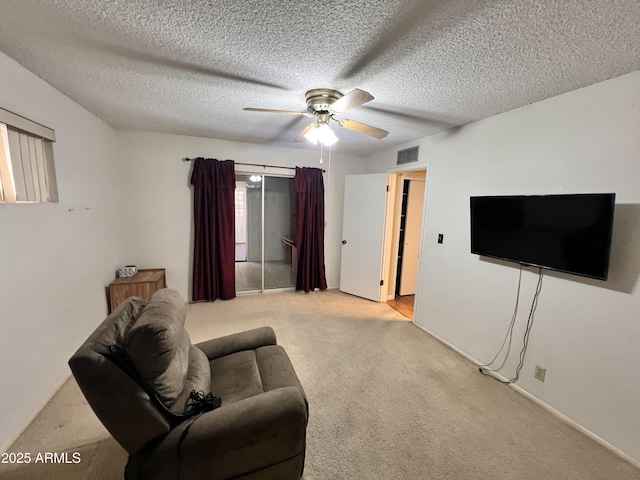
(265, 233)
(248, 203)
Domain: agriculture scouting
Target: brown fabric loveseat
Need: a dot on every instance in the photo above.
(258, 432)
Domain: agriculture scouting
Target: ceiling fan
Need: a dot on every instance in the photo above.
(323, 104)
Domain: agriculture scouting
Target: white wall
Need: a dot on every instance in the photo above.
(586, 332)
(54, 263)
(158, 220)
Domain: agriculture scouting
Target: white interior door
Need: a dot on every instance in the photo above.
(412, 228)
(365, 198)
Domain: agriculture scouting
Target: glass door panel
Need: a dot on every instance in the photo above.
(280, 259)
(248, 203)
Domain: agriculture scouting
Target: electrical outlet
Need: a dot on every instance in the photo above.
(540, 373)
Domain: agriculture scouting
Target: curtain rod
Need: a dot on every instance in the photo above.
(252, 164)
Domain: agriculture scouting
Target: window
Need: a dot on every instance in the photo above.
(27, 173)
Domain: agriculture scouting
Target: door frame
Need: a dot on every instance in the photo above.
(392, 227)
(411, 235)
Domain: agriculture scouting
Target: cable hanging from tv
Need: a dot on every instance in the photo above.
(490, 372)
(509, 334)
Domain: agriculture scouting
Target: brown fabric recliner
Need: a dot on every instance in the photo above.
(259, 431)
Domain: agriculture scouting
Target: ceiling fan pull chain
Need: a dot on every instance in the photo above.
(321, 151)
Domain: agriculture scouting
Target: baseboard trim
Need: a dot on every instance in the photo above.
(546, 406)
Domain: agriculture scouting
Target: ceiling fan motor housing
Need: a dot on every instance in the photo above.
(319, 100)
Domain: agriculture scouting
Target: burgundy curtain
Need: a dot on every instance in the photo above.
(214, 217)
(309, 188)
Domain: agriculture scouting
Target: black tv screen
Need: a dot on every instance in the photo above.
(568, 233)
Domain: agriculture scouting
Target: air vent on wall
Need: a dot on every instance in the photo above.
(408, 155)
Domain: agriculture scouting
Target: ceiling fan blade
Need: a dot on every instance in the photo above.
(300, 137)
(354, 98)
(288, 112)
(363, 128)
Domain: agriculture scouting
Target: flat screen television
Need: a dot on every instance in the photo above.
(567, 233)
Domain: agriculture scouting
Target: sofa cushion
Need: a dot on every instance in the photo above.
(236, 376)
(160, 349)
(112, 394)
(247, 373)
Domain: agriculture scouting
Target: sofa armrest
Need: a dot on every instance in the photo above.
(237, 342)
(235, 439)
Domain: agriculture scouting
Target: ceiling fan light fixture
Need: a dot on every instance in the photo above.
(324, 103)
(321, 133)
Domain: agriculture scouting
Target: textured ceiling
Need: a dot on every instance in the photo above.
(189, 67)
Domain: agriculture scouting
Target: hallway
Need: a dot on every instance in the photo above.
(403, 304)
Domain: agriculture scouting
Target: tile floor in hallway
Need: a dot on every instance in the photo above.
(276, 275)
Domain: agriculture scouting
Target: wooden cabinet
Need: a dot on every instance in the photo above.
(143, 284)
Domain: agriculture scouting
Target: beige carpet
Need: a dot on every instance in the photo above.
(387, 401)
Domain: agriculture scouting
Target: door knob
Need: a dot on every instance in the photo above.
(344, 242)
